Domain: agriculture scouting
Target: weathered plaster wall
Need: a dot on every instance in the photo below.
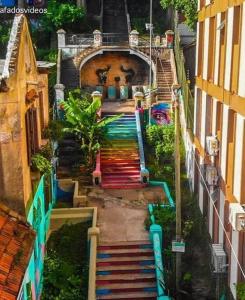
(15, 183)
(115, 60)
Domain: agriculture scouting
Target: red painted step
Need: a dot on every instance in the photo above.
(103, 282)
(126, 186)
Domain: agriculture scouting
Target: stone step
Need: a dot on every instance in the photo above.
(126, 259)
(126, 276)
(130, 296)
(127, 268)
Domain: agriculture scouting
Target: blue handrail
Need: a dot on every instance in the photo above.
(156, 236)
(144, 171)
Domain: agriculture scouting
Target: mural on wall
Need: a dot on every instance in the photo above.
(161, 114)
(102, 74)
(130, 69)
(130, 74)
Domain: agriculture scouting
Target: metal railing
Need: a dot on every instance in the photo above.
(188, 99)
(79, 39)
(114, 39)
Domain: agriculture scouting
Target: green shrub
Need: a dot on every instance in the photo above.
(162, 139)
(54, 131)
(65, 266)
(187, 7)
(241, 290)
(40, 163)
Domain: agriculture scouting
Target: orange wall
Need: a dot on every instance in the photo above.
(115, 60)
(15, 176)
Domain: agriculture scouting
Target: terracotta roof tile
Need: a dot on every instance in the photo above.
(16, 245)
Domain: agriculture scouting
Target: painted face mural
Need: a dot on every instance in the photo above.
(160, 114)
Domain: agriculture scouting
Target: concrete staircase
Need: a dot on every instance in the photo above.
(114, 17)
(120, 161)
(164, 80)
(126, 270)
(164, 75)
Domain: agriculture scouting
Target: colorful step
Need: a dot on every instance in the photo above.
(126, 270)
(120, 160)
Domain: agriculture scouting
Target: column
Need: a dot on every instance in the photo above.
(134, 38)
(97, 38)
(61, 38)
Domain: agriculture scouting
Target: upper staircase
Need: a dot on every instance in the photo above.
(114, 17)
(120, 158)
(126, 270)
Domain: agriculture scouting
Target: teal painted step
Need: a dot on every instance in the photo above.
(121, 147)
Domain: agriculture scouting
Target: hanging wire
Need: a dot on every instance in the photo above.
(217, 213)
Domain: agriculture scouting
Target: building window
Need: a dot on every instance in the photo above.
(230, 149)
(31, 133)
(222, 49)
(211, 49)
(200, 49)
(236, 49)
(209, 115)
(243, 171)
(198, 113)
(41, 110)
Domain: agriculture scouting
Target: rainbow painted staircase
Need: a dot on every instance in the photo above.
(121, 157)
(126, 270)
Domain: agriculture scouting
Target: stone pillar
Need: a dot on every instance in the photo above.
(97, 38)
(170, 39)
(158, 41)
(138, 100)
(61, 38)
(59, 96)
(134, 38)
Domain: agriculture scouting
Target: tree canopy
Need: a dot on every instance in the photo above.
(187, 7)
(61, 14)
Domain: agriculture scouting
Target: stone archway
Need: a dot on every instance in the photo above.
(119, 60)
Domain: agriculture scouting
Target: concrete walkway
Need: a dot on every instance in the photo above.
(119, 224)
(121, 213)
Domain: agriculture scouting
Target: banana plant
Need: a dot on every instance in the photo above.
(87, 126)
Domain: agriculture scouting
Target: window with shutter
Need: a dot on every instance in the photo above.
(198, 113)
(209, 115)
(31, 133)
(41, 110)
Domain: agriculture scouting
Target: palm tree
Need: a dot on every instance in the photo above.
(86, 125)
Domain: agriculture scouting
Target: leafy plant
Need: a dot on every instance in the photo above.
(5, 29)
(40, 163)
(65, 265)
(46, 151)
(188, 227)
(162, 139)
(61, 14)
(187, 7)
(88, 128)
(47, 54)
(54, 131)
(240, 288)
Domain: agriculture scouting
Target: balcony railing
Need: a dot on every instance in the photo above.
(111, 39)
(79, 39)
